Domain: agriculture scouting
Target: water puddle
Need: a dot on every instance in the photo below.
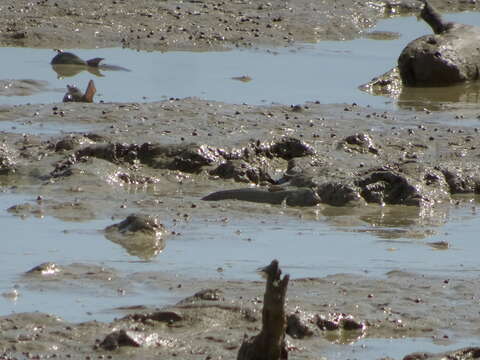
(329, 72)
(304, 247)
(394, 348)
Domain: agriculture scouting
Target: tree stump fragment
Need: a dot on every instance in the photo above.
(270, 344)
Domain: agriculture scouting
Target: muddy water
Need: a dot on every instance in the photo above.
(329, 72)
(392, 348)
(306, 245)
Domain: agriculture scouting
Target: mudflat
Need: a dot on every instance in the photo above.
(182, 150)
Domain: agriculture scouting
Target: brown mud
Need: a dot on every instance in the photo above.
(214, 315)
(161, 158)
(194, 25)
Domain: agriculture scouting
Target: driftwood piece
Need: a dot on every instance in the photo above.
(270, 344)
(451, 55)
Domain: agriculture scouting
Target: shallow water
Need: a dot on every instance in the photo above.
(394, 348)
(329, 72)
(305, 247)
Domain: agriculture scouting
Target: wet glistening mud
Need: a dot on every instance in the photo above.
(135, 229)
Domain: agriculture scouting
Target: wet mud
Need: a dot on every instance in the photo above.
(194, 25)
(212, 320)
(158, 160)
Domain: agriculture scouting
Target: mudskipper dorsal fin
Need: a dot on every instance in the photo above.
(90, 92)
(94, 62)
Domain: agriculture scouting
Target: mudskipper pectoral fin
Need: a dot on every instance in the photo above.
(90, 92)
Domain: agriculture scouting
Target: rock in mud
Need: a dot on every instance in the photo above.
(450, 56)
(141, 235)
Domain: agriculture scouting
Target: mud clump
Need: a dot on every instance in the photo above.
(123, 337)
(460, 354)
(141, 235)
(7, 160)
(360, 142)
(169, 317)
(299, 325)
